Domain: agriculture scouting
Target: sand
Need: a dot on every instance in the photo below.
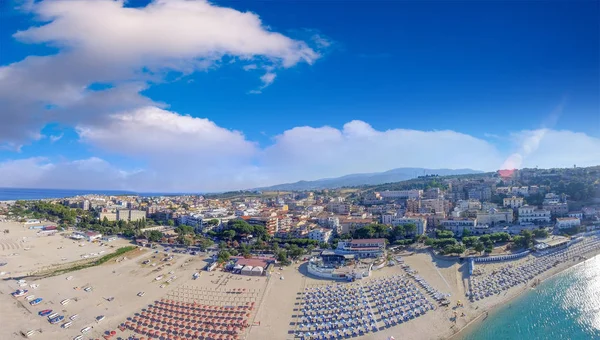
(277, 300)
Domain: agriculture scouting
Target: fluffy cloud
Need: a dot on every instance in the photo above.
(39, 172)
(182, 152)
(309, 153)
(553, 148)
(105, 42)
(185, 154)
(150, 131)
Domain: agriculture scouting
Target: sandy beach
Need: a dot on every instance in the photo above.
(276, 298)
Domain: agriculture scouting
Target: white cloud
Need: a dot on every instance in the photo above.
(268, 79)
(56, 138)
(152, 131)
(102, 41)
(552, 148)
(185, 154)
(310, 153)
(39, 172)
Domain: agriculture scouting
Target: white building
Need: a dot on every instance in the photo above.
(320, 234)
(339, 208)
(395, 220)
(531, 214)
(464, 205)
(513, 202)
(438, 205)
(93, 236)
(193, 220)
(457, 226)
(567, 222)
(578, 214)
(495, 216)
(551, 198)
(402, 194)
(315, 209)
(363, 248)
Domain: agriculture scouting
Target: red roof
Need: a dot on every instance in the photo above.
(368, 241)
(252, 262)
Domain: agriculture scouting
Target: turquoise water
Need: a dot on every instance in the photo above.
(566, 306)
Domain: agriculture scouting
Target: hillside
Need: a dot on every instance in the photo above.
(394, 175)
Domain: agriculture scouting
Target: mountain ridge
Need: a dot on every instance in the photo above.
(373, 178)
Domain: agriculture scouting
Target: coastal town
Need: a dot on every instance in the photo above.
(367, 262)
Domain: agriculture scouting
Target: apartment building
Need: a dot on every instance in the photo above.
(339, 208)
(433, 219)
(413, 205)
(437, 205)
(320, 234)
(513, 202)
(567, 222)
(457, 226)
(130, 215)
(495, 216)
(110, 216)
(402, 194)
(193, 220)
(557, 209)
(529, 214)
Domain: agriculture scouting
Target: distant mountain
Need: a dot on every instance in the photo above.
(390, 176)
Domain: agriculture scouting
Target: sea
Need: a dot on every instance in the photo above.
(13, 194)
(566, 306)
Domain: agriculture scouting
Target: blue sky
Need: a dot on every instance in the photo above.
(280, 91)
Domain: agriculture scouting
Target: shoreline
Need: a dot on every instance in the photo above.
(495, 307)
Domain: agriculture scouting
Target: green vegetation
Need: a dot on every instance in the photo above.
(102, 260)
(223, 256)
(393, 234)
(540, 233)
(154, 236)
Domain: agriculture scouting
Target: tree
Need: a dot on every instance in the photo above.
(213, 222)
(519, 241)
(294, 251)
(528, 237)
(170, 223)
(499, 237)
(229, 234)
(540, 233)
(444, 234)
(454, 249)
(223, 256)
(479, 247)
(469, 241)
(410, 229)
(154, 235)
(282, 257)
(365, 232)
(184, 229)
(204, 243)
(398, 232)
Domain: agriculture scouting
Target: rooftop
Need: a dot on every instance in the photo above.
(567, 219)
(368, 241)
